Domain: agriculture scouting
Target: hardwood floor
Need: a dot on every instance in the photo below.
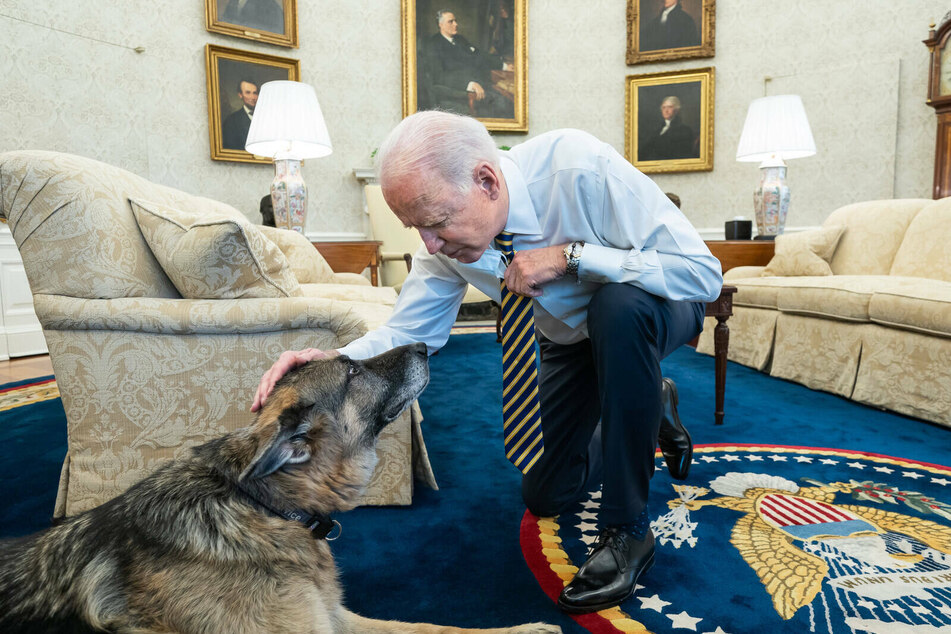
(23, 368)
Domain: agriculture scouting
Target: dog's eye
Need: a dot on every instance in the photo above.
(353, 370)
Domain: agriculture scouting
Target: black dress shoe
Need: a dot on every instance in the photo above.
(610, 574)
(673, 438)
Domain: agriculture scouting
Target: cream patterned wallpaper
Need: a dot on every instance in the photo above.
(69, 81)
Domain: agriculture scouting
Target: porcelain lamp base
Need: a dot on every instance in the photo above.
(771, 200)
(289, 195)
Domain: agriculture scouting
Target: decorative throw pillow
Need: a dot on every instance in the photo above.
(308, 265)
(805, 252)
(210, 255)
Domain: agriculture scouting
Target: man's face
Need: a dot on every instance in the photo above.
(459, 226)
(669, 3)
(248, 94)
(448, 25)
(668, 110)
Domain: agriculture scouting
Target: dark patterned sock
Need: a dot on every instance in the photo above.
(638, 528)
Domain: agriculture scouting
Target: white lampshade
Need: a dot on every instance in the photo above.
(777, 128)
(287, 123)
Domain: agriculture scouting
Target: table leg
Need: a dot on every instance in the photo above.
(721, 344)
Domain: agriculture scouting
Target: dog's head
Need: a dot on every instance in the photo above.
(313, 445)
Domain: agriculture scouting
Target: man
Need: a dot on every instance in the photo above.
(235, 127)
(618, 278)
(673, 28)
(672, 140)
(460, 74)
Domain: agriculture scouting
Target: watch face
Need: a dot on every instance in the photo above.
(944, 72)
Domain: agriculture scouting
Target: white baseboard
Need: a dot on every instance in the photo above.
(335, 236)
(708, 233)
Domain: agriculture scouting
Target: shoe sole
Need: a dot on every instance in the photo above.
(688, 458)
(574, 609)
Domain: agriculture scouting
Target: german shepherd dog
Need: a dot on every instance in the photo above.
(231, 538)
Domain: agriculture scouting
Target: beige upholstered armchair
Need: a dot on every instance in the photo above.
(162, 310)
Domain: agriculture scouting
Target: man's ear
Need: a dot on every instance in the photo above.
(487, 178)
(277, 451)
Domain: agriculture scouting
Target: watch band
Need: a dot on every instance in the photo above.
(573, 257)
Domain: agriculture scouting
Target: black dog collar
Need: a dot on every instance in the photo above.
(318, 524)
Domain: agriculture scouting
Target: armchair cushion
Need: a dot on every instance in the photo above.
(805, 253)
(214, 256)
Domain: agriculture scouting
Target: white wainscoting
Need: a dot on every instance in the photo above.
(20, 331)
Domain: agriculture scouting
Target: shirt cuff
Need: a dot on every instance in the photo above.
(605, 264)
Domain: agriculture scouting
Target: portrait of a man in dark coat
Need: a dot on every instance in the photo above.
(665, 24)
(264, 15)
(670, 138)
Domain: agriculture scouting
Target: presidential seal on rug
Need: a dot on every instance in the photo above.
(232, 538)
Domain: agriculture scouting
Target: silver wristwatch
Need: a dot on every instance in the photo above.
(573, 257)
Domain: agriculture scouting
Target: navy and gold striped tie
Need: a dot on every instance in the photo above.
(521, 418)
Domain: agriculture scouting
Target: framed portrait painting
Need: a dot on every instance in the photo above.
(270, 21)
(469, 57)
(668, 121)
(234, 79)
(661, 30)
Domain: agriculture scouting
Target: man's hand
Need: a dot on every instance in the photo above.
(476, 87)
(285, 363)
(530, 270)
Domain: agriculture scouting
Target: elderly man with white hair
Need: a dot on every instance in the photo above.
(595, 263)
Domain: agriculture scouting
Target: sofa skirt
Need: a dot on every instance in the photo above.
(751, 336)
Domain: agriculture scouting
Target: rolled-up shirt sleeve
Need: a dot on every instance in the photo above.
(424, 312)
(646, 240)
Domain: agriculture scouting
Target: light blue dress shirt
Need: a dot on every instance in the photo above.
(563, 186)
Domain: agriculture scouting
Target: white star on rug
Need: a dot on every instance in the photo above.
(884, 470)
(653, 603)
(587, 515)
(719, 630)
(829, 461)
(754, 458)
(708, 458)
(587, 527)
(801, 459)
(912, 474)
(684, 621)
(855, 465)
(940, 481)
(590, 504)
(731, 457)
(776, 458)
(589, 538)
(868, 605)
(596, 495)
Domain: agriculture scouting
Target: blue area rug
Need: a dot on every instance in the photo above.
(455, 557)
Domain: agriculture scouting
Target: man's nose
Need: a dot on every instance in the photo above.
(431, 240)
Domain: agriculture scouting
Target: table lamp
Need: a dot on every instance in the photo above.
(776, 128)
(288, 126)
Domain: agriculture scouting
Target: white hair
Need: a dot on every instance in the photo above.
(436, 143)
(674, 101)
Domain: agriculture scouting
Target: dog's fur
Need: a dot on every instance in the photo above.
(186, 550)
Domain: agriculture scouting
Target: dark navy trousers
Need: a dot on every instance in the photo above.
(614, 378)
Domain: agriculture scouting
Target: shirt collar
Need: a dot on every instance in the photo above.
(521, 219)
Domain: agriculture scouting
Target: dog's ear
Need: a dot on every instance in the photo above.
(287, 445)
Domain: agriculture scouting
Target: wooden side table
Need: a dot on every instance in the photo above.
(733, 253)
(352, 256)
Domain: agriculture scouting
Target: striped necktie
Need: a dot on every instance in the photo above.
(521, 418)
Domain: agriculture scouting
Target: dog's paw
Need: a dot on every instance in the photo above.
(535, 628)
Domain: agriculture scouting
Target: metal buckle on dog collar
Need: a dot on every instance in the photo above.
(339, 531)
(322, 526)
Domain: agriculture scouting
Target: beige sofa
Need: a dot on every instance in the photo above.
(876, 328)
(162, 310)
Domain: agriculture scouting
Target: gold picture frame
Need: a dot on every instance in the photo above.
(268, 21)
(685, 98)
(686, 32)
(231, 74)
(494, 51)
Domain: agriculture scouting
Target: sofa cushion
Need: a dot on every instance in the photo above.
(844, 297)
(922, 305)
(308, 266)
(924, 251)
(873, 234)
(210, 255)
(385, 295)
(805, 253)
